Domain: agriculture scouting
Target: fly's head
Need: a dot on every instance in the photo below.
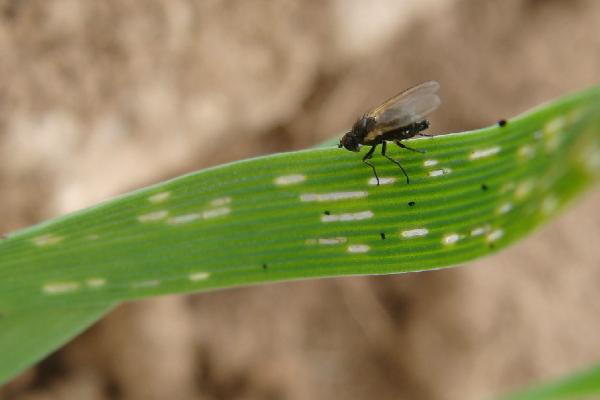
(349, 141)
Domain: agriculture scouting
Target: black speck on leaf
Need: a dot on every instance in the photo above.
(382, 235)
(502, 123)
(411, 203)
(484, 186)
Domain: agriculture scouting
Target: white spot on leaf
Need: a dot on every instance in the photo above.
(477, 154)
(347, 217)
(47, 240)
(430, 163)
(382, 181)
(183, 219)
(153, 216)
(415, 232)
(159, 197)
(451, 238)
(145, 284)
(220, 201)
(217, 212)
(554, 126)
(524, 189)
(552, 133)
(440, 172)
(95, 282)
(332, 196)
(495, 235)
(60, 287)
(526, 151)
(358, 248)
(480, 230)
(504, 208)
(198, 276)
(334, 240)
(289, 179)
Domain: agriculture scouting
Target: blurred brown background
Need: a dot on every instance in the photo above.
(101, 97)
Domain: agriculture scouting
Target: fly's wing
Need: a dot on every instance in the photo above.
(408, 107)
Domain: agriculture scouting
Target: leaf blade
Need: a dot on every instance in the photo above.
(309, 214)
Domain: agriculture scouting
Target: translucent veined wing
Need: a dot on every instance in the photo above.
(410, 106)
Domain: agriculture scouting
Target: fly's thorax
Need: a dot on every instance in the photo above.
(362, 127)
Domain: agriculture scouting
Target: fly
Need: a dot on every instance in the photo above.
(399, 118)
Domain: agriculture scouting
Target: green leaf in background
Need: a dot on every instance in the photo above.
(298, 215)
(583, 385)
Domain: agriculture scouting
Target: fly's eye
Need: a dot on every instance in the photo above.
(351, 143)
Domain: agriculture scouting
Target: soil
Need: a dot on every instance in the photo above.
(165, 87)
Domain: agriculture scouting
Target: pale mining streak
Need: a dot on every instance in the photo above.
(415, 232)
(145, 284)
(290, 179)
(552, 131)
(477, 154)
(554, 125)
(523, 189)
(440, 172)
(159, 197)
(198, 276)
(382, 181)
(526, 151)
(95, 282)
(451, 238)
(480, 230)
(334, 240)
(347, 217)
(430, 163)
(220, 201)
(495, 235)
(505, 208)
(358, 248)
(153, 216)
(217, 212)
(60, 287)
(48, 239)
(332, 196)
(183, 219)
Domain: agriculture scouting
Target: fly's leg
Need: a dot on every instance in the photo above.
(367, 157)
(383, 150)
(400, 144)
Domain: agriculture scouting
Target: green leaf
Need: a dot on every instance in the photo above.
(304, 214)
(582, 385)
(26, 336)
